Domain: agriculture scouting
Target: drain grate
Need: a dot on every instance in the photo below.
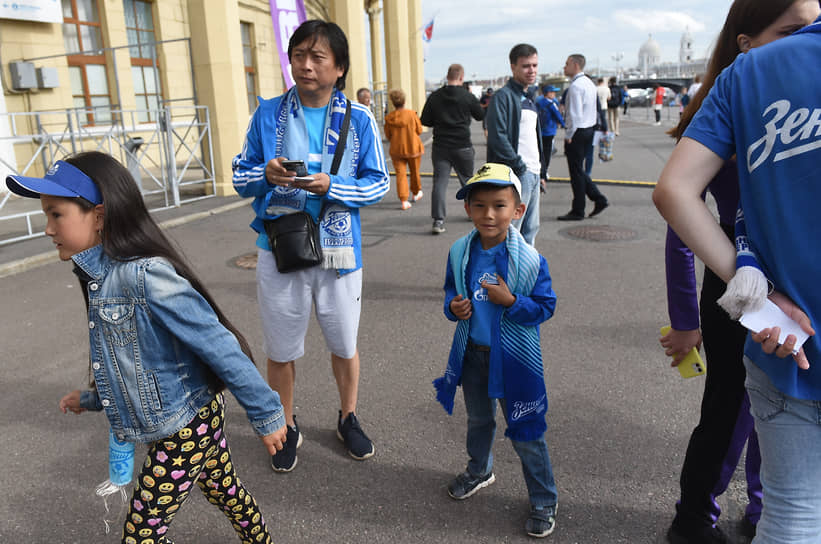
(247, 261)
(600, 233)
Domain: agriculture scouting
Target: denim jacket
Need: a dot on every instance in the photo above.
(158, 351)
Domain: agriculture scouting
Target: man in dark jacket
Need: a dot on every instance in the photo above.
(513, 134)
(448, 110)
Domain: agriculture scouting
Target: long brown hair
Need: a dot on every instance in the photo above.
(748, 17)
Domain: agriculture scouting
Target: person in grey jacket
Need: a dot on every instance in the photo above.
(513, 133)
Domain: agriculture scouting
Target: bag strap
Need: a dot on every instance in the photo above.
(343, 138)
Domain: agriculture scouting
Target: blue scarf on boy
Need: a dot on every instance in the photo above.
(521, 358)
(292, 141)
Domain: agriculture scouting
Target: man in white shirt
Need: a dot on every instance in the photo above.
(580, 118)
(694, 87)
(603, 92)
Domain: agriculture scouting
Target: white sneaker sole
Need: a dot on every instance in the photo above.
(475, 489)
(542, 535)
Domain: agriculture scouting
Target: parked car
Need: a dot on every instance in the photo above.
(638, 97)
(645, 97)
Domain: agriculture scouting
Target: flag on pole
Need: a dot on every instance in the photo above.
(427, 34)
(427, 31)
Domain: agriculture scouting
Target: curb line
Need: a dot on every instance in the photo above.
(27, 263)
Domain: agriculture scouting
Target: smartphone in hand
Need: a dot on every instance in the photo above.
(296, 166)
(300, 169)
(692, 365)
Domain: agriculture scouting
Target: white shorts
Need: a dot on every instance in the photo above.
(285, 307)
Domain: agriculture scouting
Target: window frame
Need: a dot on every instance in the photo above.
(81, 60)
(249, 70)
(144, 62)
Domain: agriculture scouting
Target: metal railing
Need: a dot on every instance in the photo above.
(169, 158)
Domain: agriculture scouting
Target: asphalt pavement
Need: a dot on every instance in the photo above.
(618, 421)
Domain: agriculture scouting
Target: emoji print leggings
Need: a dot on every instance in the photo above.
(196, 454)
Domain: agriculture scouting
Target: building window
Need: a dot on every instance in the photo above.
(139, 23)
(83, 41)
(246, 30)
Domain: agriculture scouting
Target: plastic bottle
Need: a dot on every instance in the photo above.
(120, 460)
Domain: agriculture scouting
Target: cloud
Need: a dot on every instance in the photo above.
(658, 21)
(593, 25)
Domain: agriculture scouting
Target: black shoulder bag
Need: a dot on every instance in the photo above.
(294, 237)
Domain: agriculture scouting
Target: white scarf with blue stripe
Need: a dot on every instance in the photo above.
(521, 356)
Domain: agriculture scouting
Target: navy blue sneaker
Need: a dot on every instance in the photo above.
(285, 459)
(358, 444)
(466, 484)
(541, 522)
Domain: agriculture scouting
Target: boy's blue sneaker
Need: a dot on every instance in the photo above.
(356, 441)
(541, 522)
(466, 484)
(285, 459)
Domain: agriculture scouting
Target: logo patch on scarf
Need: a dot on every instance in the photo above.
(522, 409)
(337, 225)
(284, 200)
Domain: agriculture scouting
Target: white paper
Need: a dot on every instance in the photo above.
(770, 316)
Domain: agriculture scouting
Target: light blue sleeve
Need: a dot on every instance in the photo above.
(249, 165)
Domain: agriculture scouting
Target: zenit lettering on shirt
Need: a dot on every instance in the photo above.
(796, 128)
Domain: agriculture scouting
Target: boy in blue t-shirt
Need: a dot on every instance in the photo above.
(498, 289)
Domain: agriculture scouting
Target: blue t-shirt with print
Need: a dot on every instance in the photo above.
(482, 267)
(315, 122)
(766, 109)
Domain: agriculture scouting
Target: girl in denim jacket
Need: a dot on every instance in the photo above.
(161, 349)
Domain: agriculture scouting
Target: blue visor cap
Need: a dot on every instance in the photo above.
(62, 179)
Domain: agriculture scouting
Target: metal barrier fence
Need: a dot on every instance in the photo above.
(170, 158)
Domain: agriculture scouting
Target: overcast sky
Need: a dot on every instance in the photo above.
(479, 33)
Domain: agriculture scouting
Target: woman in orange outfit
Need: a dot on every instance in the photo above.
(402, 129)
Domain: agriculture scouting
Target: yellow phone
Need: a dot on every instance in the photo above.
(692, 365)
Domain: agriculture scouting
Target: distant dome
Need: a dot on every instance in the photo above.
(650, 53)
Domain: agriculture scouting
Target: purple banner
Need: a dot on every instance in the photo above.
(286, 15)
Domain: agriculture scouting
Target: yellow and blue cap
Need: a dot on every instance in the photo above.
(492, 173)
(62, 179)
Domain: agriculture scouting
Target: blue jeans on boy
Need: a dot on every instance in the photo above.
(528, 225)
(481, 411)
(789, 436)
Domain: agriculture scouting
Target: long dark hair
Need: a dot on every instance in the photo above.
(748, 17)
(129, 231)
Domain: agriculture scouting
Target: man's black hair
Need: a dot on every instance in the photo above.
(314, 30)
(521, 50)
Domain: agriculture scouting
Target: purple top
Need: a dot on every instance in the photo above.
(682, 295)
